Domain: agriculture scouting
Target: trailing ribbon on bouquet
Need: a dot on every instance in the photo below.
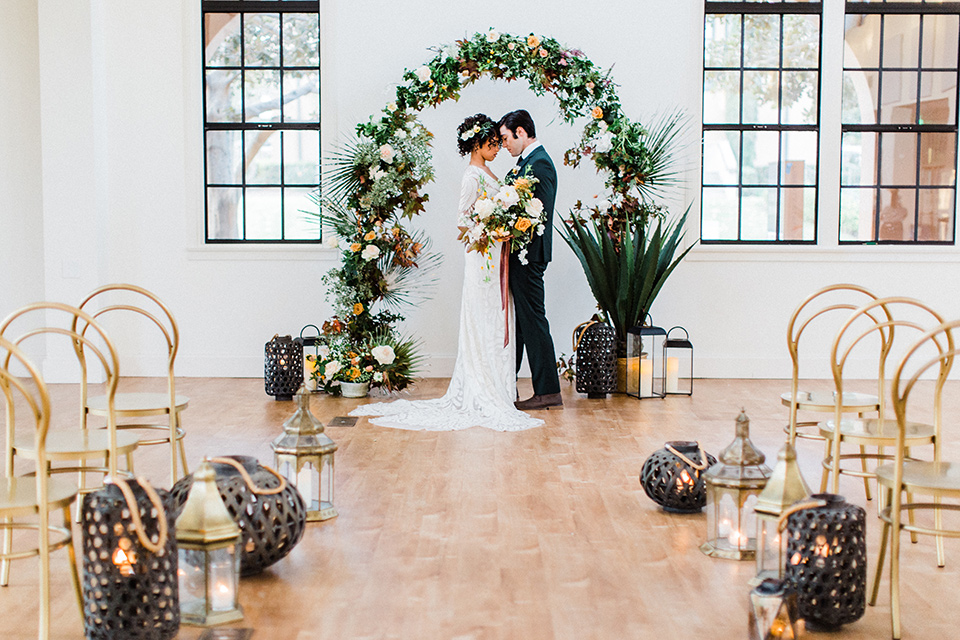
(505, 289)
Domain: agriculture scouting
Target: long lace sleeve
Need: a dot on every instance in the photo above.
(469, 189)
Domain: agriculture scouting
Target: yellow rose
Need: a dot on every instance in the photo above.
(356, 246)
(533, 41)
(597, 113)
(523, 224)
(521, 184)
(357, 309)
(370, 235)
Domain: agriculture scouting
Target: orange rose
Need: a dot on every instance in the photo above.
(357, 309)
(597, 113)
(356, 246)
(523, 224)
(533, 41)
(521, 184)
(370, 235)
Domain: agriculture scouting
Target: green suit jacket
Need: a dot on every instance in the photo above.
(541, 166)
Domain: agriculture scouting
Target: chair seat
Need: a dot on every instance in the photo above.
(18, 496)
(134, 404)
(924, 477)
(824, 401)
(874, 431)
(74, 445)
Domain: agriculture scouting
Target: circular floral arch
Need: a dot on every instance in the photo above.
(378, 180)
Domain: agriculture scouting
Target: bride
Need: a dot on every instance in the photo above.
(484, 384)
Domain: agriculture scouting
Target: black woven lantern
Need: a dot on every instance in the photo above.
(270, 513)
(673, 477)
(282, 367)
(596, 353)
(129, 563)
(827, 559)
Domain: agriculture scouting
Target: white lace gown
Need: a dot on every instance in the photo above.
(483, 387)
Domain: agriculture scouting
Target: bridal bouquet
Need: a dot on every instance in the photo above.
(512, 215)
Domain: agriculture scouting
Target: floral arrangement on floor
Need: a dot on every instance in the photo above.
(382, 362)
(511, 215)
(378, 179)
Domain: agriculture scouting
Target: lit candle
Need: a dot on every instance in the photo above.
(124, 558)
(633, 374)
(221, 597)
(673, 375)
(646, 378)
(684, 481)
(309, 367)
(305, 484)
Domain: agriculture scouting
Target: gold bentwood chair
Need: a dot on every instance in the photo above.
(26, 503)
(935, 480)
(136, 405)
(837, 297)
(879, 319)
(84, 447)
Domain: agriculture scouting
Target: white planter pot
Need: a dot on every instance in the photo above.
(355, 389)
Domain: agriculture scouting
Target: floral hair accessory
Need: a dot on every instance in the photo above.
(482, 129)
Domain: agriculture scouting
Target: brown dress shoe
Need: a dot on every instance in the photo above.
(548, 401)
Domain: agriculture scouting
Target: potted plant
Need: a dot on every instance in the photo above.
(344, 368)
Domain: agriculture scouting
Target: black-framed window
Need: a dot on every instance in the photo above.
(261, 74)
(761, 116)
(898, 180)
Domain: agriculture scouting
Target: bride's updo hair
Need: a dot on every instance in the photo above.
(475, 132)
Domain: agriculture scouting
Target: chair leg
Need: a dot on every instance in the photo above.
(825, 475)
(183, 457)
(863, 467)
(7, 548)
(44, 549)
(130, 462)
(72, 556)
(173, 448)
(884, 537)
(895, 571)
(938, 524)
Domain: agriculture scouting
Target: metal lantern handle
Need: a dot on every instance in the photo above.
(246, 477)
(698, 466)
(686, 334)
(135, 512)
(319, 333)
(800, 506)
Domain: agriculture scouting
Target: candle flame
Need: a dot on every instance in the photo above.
(124, 561)
(222, 588)
(821, 548)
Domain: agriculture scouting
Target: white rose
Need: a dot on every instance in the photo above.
(475, 233)
(484, 208)
(534, 208)
(378, 174)
(378, 377)
(423, 73)
(384, 354)
(605, 142)
(370, 252)
(604, 205)
(323, 351)
(451, 50)
(522, 256)
(386, 153)
(492, 36)
(331, 369)
(332, 242)
(508, 196)
(391, 106)
(540, 229)
(401, 134)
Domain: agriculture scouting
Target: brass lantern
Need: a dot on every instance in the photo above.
(733, 485)
(303, 454)
(209, 555)
(785, 487)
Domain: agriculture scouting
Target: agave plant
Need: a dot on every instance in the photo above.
(626, 271)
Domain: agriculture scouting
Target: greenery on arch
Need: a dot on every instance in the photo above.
(378, 180)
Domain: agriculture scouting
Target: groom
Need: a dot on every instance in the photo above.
(526, 280)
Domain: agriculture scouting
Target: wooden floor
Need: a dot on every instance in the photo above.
(483, 535)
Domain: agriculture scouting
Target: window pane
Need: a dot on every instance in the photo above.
(263, 213)
(798, 213)
(937, 90)
(761, 41)
(224, 157)
(721, 157)
(759, 214)
(262, 96)
(263, 149)
(938, 159)
(896, 214)
(940, 38)
(801, 41)
(862, 42)
(301, 157)
(720, 213)
(898, 163)
(858, 154)
(222, 39)
(223, 96)
(301, 40)
(760, 97)
(225, 213)
(860, 97)
(721, 97)
(760, 157)
(936, 214)
(300, 215)
(901, 45)
(857, 207)
(799, 153)
(261, 39)
(899, 104)
(799, 97)
(301, 94)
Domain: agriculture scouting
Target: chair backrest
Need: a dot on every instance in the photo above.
(32, 390)
(36, 317)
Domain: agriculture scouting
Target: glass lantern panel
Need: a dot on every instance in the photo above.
(728, 520)
(224, 574)
(713, 523)
(190, 570)
(308, 484)
(326, 479)
(748, 520)
(768, 547)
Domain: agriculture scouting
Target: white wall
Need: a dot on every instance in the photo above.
(120, 100)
